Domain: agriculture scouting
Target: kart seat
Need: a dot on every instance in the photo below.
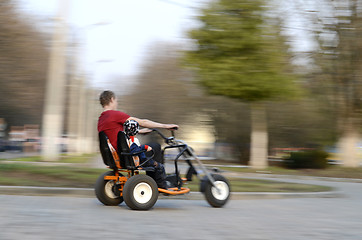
(123, 153)
(126, 160)
(106, 151)
(122, 145)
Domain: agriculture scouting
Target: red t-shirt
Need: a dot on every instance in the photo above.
(111, 122)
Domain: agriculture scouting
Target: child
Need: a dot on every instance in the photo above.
(131, 128)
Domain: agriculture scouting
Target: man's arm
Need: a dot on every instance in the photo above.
(145, 130)
(151, 124)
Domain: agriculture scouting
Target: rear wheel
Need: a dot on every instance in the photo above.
(218, 195)
(107, 191)
(140, 192)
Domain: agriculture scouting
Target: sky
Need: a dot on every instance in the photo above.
(116, 34)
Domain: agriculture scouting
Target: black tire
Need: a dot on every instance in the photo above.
(214, 197)
(140, 192)
(107, 191)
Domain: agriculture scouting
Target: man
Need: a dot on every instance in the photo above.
(111, 121)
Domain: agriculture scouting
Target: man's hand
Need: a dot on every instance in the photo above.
(171, 126)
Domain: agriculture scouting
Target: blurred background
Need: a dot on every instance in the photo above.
(247, 81)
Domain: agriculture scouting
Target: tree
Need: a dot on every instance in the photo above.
(241, 54)
(23, 67)
(339, 73)
(303, 123)
(163, 90)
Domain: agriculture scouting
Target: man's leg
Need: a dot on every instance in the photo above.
(159, 175)
(191, 171)
(156, 147)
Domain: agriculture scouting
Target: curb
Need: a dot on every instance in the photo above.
(280, 177)
(46, 191)
(89, 193)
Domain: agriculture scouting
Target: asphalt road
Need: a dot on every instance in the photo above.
(66, 217)
(50, 217)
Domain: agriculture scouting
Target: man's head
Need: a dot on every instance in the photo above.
(106, 98)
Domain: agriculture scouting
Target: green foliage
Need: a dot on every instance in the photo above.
(239, 54)
(316, 159)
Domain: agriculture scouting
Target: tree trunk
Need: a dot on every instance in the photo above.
(259, 137)
(348, 145)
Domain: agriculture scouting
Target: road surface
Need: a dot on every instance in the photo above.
(48, 217)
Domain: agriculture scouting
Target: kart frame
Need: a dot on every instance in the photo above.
(126, 183)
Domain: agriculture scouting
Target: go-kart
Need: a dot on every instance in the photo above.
(139, 191)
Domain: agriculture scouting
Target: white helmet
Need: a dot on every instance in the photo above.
(131, 127)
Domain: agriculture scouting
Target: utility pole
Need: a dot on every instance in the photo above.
(53, 116)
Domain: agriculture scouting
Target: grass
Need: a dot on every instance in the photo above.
(47, 176)
(256, 185)
(64, 158)
(25, 174)
(332, 171)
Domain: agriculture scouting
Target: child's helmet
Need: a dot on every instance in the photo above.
(131, 127)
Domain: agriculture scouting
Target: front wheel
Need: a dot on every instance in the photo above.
(218, 195)
(107, 191)
(140, 192)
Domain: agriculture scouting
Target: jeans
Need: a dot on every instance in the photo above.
(159, 175)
